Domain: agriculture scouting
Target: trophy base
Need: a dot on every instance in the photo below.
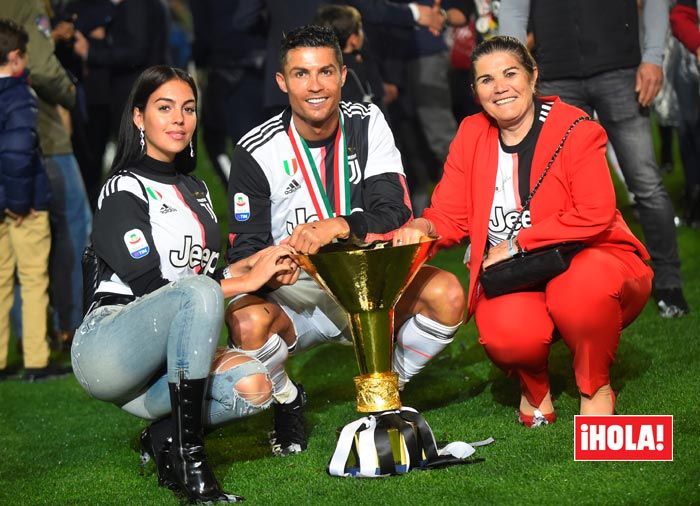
(377, 392)
(393, 442)
(398, 461)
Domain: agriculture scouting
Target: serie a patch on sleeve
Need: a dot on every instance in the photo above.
(136, 243)
(241, 207)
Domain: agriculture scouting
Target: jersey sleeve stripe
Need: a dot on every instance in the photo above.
(261, 142)
(262, 133)
(257, 130)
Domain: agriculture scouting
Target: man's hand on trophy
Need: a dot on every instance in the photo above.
(414, 232)
(308, 238)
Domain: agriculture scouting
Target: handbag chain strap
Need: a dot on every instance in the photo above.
(526, 205)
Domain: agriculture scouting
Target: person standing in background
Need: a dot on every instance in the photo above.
(69, 211)
(134, 36)
(589, 55)
(684, 24)
(232, 98)
(25, 237)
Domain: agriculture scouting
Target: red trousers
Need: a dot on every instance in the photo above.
(602, 292)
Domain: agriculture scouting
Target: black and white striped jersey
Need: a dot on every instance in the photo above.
(268, 196)
(513, 180)
(151, 217)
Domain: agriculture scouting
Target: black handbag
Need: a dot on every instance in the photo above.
(531, 270)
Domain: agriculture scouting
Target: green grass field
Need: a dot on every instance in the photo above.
(59, 446)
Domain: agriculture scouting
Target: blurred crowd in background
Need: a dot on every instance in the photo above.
(412, 59)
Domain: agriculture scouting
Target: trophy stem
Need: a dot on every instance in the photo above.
(372, 348)
(377, 387)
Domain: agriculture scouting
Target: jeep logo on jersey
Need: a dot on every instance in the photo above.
(241, 207)
(502, 222)
(193, 256)
(136, 243)
(291, 167)
(300, 217)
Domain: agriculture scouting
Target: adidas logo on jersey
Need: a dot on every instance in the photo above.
(165, 209)
(293, 186)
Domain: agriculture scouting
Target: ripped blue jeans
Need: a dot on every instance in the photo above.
(128, 354)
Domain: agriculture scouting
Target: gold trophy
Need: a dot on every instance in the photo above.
(367, 282)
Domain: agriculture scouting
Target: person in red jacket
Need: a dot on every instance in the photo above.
(494, 161)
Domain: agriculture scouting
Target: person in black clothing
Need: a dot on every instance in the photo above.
(363, 82)
(148, 340)
(232, 98)
(69, 23)
(116, 43)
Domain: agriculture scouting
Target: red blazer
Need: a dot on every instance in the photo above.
(576, 201)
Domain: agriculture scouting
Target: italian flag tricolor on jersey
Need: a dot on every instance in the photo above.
(341, 202)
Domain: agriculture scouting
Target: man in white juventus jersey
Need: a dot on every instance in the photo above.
(322, 171)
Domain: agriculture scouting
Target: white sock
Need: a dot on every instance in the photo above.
(273, 354)
(419, 340)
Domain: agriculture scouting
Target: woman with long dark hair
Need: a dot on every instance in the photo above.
(149, 340)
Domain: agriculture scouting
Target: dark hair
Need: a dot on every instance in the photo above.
(12, 37)
(129, 151)
(309, 36)
(502, 43)
(344, 20)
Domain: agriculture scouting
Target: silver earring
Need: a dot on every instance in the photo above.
(191, 149)
(143, 139)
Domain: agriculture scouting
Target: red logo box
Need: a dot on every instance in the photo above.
(623, 437)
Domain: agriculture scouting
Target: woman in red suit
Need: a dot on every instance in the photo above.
(494, 161)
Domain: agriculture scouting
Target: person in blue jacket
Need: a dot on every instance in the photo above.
(25, 238)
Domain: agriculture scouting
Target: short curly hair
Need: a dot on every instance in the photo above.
(309, 36)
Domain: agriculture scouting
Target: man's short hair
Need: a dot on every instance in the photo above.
(309, 36)
(343, 19)
(12, 37)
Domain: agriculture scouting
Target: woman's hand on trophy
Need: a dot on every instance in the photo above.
(272, 265)
(308, 238)
(413, 233)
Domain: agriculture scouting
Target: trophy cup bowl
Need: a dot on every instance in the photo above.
(367, 282)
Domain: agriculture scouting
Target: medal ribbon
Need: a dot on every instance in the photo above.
(312, 178)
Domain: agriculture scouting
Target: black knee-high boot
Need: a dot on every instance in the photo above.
(188, 461)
